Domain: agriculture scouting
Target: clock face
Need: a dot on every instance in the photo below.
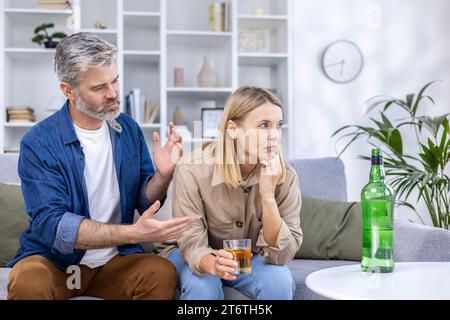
(342, 61)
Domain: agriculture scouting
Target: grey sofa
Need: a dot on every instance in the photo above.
(321, 178)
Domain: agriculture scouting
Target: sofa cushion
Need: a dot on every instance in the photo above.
(14, 221)
(322, 178)
(331, 230)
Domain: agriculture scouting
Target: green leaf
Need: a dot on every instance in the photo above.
(387, 124)
(409, 100)
(59, 35)
(397, 102)
(44, 26)
(445, 135)
(395, 141)
(376, 101)
(340, 129)
(348, 144)
(38, 39)
(419, 98)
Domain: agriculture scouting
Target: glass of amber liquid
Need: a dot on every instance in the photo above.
(241, 250)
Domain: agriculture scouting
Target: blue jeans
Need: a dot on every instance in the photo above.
(266, 282)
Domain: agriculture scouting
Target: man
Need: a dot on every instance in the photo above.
(84, 170)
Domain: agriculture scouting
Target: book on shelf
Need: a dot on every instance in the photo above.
(20, 114)
(53, 4)
(19, 110)
(21, 119)
(151, 112)
(219, 16)
(12, 151)
(138, 106)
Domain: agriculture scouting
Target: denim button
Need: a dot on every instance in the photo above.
(239, 224)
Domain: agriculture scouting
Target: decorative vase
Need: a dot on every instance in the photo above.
(206, 76)
(258, 11)
(178, 117)
(178, 77)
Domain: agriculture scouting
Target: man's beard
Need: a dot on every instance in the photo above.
(92, 111)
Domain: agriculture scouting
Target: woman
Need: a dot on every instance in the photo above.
(238, 188)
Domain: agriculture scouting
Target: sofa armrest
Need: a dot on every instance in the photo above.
(416, 242)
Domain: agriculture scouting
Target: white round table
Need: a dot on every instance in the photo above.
(410, 280)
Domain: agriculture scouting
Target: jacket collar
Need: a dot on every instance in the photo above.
(252, 179)
(66, 125)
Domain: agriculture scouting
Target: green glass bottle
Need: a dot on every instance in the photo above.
(377, 202)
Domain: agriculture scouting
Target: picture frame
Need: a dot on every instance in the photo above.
(210, 122)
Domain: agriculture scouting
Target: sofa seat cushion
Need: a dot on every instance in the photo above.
(300, 269)
(4, 274)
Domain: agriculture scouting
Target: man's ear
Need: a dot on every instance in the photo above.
(232, 129)
(67, 90)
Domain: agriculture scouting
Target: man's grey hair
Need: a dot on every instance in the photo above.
(78, 53)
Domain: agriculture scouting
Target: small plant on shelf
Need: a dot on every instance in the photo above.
(41, 35)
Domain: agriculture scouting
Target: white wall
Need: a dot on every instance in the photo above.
(405, 48)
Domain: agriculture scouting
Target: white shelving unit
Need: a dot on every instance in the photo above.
(153, 37)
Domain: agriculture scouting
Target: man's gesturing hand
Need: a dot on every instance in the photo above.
(148, 229)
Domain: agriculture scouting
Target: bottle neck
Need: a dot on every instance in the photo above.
(377, 169)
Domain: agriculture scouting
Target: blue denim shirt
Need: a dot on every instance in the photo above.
(51, 169)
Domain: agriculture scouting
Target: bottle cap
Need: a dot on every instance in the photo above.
(377, 157)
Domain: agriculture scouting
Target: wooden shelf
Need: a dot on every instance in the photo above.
(263, 17)
(198, 38)
(198, 33)
(40, 11)
(262, 59)
(100, 31)
(141, 53)
(30, 50)
(141, 14)
(19, 124)
(200, 92)
(271, 22)
(150, 125)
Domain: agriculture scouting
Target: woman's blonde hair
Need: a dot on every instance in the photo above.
(239, 105)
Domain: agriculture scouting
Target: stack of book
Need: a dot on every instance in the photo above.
(140, 108)
(53, 4)
(20, 114)
(219, 16)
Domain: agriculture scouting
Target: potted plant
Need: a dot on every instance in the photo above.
(423, 171)
(42, 36)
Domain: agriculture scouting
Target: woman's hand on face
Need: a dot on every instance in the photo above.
(225, 265)
(270, 175)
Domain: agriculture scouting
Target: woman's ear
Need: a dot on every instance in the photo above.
(232, 129)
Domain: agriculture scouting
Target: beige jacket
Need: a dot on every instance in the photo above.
(223, 212)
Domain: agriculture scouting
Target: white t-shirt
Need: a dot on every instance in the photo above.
(102, 187)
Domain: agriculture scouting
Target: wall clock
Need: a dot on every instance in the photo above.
(342, 61)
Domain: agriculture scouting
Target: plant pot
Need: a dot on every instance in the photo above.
(50, 44)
